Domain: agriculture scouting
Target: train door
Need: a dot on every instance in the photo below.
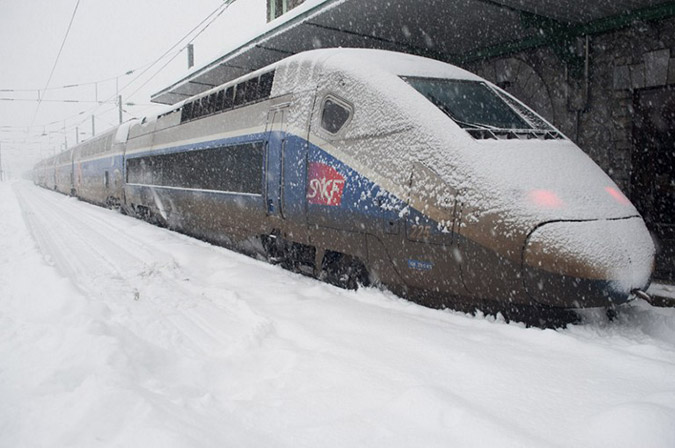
(431, 247)
(274, 161)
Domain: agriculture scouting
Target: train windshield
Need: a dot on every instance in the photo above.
(481, 110)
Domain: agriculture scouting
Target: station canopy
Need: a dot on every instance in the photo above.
(455, 31)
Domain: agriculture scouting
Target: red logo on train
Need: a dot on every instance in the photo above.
(324, 184)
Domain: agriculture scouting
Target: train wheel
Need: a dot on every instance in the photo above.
(343, 271)
(274, 248)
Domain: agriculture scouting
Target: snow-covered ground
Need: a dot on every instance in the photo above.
(117, 333)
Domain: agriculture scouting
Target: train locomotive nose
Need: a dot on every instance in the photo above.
(587, 263)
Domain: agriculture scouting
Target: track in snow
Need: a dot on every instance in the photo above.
(175, 342)
(118, 260)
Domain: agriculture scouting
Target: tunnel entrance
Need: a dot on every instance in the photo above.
(653, 171)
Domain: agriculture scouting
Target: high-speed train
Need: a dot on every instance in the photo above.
(361, 166)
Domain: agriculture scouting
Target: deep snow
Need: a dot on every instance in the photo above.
(117, 333)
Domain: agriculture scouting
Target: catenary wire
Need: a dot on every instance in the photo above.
(210, 18)
(58, 56)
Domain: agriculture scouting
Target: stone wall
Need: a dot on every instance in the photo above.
(598, 118)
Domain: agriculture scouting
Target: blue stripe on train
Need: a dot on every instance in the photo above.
(362, 203)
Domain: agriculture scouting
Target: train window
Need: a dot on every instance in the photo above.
(186, 113)
(252, 90)
(215, 103)
(219, 101)
(203, 106)
(197, 108)
(227, 100)
(265, 85)
(245, 92)
(204, 110)
(240, 94)
(235, 168)
(471, 104)
(212, 103)
(206, 105)
(334, 115)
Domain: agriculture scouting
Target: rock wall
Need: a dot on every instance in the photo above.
(596, 111)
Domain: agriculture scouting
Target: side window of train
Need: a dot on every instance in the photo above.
(334, 114)
(233, 168)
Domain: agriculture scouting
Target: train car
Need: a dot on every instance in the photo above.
(200, 168)
(42, 172)
(63, 172)
(98, 167)
(366, 165)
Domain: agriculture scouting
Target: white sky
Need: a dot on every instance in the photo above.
(106, 40)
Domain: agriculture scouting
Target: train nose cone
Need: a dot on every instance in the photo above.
(587, 263)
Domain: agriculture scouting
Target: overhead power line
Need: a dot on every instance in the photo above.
(29, 100)
(41, 100)
(58, 56)
(210, 19)
(80, 84)
(139, 72)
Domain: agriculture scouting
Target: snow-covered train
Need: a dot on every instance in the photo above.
(371, 166)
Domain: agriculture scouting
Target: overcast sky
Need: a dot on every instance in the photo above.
(106, 40)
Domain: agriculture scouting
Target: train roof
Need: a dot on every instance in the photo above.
(302, 71)
(357, 59)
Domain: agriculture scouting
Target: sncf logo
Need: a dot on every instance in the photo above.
(324, 184)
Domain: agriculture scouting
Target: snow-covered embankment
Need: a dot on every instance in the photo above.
(117, 333)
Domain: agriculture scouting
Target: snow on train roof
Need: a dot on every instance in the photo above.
(301, 71)
(361, 60)
(390, 61)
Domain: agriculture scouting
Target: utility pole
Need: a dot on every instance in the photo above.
(191, 55)
(119, 101)
(119, 97)
(77, 135)
(93, 126)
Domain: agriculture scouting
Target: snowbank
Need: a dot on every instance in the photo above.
(117, 333)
